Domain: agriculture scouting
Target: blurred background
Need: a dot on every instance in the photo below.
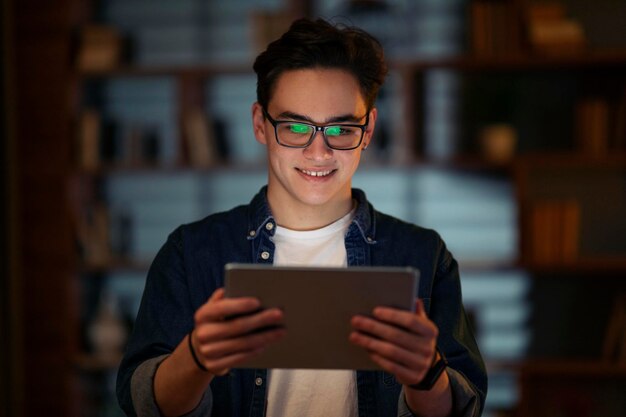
(502, 125)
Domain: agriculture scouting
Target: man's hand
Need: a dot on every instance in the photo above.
(222, 342)
(401, 342)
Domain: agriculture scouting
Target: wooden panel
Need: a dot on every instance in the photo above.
(42, 73)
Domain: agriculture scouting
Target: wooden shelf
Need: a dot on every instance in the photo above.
(477, 265)
(591, 59)
(570, 159)
(118, 265)
(586, 59)
(592, 368)
(616, 265)
(182, 71)
(155, 169)
(91, 363)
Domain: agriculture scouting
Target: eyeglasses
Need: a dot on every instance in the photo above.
(343, 137)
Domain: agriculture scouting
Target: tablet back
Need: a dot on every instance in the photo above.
(318, 304)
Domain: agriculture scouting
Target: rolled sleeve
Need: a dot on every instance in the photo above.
(465, 399)
(142, 392)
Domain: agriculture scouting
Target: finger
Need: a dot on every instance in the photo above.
(394, 353)
(419, 307)
(222, 365)
(403, 375)
(243, 344)
(212, 331)
(219, 308)
(415, 323)
(394, 334)
(218, 294)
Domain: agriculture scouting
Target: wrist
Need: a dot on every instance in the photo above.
(194, 356)
(437, 368)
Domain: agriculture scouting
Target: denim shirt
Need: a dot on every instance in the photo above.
(190, 266)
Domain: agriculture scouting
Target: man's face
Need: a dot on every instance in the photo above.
(315, 176)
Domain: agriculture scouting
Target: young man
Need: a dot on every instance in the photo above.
(315, 114)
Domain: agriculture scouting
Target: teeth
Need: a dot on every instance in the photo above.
(316, 173)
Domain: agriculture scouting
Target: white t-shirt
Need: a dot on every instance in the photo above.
(306, 392)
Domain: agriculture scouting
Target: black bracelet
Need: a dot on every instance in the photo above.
(433, 373)
(193, 355)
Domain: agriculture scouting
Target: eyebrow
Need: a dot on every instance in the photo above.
(335, 119)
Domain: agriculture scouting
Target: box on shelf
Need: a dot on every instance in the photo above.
(550, 31)
(100, 48)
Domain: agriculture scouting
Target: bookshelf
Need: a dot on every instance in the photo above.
(491, 87)
(487, 87)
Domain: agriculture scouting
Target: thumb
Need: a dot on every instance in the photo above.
(419, 307)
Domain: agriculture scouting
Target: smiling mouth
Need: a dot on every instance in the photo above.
(316, 173)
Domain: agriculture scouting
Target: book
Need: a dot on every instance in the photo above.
(546, 12)
(89, 140)
(93, 236)
(555, 231)
(618, 128)
(556, 36)
(592, 126)
(493, 28)
(570, 230)
(200, 139)
(614, 349)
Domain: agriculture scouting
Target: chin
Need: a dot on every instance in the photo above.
(319, 198)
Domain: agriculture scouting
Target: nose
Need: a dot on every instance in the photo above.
(318, 150)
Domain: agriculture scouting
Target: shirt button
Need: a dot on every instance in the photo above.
(269, 226)
(258, 382)
(252, 233)
(369, 239)
(265, 255)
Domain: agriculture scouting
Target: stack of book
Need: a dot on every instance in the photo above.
(555, 231)
(551, 31)
(494, 29)
(104, 143)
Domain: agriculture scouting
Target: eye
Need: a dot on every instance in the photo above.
(334, 131)
(299, 128)
(341, 130)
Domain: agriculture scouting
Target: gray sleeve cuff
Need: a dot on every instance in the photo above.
(142, 392)
(465, 401)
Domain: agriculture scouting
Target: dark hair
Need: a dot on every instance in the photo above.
(319, 44)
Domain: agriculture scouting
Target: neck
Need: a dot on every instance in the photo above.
(300, 216)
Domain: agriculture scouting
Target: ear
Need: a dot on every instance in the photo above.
(369, 131)
(258, 124)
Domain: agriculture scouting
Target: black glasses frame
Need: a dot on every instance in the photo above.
(318, 128)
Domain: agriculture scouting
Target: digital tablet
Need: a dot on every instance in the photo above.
(318, 304)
